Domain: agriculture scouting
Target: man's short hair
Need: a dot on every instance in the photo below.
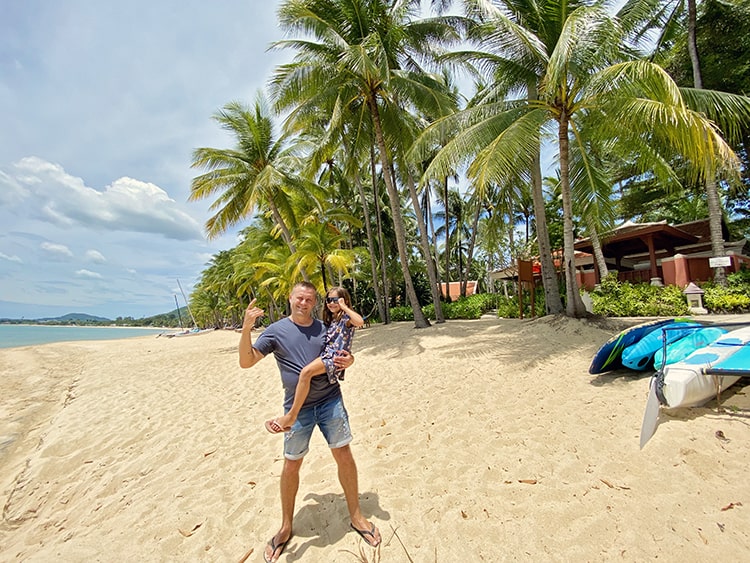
(307, 286)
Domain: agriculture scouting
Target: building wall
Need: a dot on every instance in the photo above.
(678, 270)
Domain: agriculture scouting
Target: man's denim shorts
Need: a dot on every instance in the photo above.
(330, 417)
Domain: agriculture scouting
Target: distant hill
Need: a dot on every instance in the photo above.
(70, 317)
(175, 318)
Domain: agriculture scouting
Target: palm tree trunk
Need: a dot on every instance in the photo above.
(323, 274)
(447, 241)
(512, 236)
(286, 235)
(574, 306)
(426, 251)
(552, 301)
(692, 45)
(433, 237)
(420, 321)
(472, 241)
(385, 307)
(712, 190)
(601, 262)
(715, 214)
(370, 247)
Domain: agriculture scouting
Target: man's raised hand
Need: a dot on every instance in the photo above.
(252, 313)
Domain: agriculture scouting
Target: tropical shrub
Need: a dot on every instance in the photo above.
(613, 298)
(464, 308)
(402, 314)
(469, 307)
(735, 298)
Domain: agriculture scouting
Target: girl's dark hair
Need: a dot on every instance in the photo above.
(341, 293)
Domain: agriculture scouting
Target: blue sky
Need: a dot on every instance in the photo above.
(101, 106)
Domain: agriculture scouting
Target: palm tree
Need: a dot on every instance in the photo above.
(319, 249)
(579, 81)
(254, 174)
(264, 267)
(672, 19)
(211, 302)
(355, 58)
(515, 37)
(343, 157)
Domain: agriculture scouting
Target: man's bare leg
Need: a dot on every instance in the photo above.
(289, 486)
(347, 470)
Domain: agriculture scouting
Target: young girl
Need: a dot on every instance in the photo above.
(341, 321)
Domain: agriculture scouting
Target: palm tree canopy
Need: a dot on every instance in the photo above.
(250, 175)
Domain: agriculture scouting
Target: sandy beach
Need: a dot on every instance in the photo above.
(482, 440)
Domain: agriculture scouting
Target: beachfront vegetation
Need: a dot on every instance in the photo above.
(396, 151)
(734, 298)
(622, 299)
(617, 299)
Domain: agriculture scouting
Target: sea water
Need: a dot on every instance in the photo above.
(12, 335)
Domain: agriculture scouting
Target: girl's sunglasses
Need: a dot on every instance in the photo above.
(332, 299)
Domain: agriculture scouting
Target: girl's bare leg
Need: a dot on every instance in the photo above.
(315, 367)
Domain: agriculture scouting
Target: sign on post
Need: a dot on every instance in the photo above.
(720, 261)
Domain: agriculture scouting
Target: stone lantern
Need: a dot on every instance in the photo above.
(694, 296)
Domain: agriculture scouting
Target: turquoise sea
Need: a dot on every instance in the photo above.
(29, 335)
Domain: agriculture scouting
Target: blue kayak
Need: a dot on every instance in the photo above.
(686, 345)
(608, 357)
(639, 356)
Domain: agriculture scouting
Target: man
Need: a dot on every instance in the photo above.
(296, 341)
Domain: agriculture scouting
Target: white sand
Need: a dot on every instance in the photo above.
(476, 441)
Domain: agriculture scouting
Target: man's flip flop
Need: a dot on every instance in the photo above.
(274, 548)
(366, 533)
(274, 427)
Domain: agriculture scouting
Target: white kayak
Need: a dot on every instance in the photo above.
(690, 383)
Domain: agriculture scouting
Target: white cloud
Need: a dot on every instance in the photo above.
(98, 125)
(88, 274)
(57, 250)
(13, 258)
(11, 191)
(95, 256)
(125, 205)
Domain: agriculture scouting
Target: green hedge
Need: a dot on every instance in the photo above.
(610, 299)
(623, 299)
(473, 307)
(732, 299)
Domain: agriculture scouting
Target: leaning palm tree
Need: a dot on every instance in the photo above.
(255, 175)
(360, 54)
(514, 37)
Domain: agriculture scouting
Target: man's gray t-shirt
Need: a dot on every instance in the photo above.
(294, 347)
